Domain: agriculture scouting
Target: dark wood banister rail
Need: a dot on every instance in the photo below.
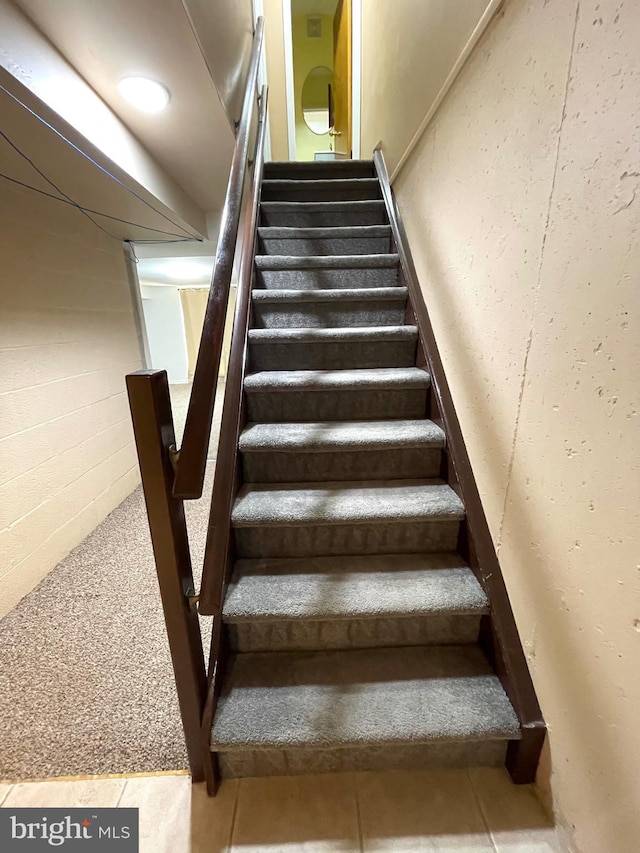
(153, 428)
(499, 635)
(218, 550)
(191, 459)
(215, 558)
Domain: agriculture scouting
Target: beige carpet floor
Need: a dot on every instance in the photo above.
(86, 684)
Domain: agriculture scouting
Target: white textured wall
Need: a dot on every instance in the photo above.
(67, 339)
(522, 204)
(166, 335)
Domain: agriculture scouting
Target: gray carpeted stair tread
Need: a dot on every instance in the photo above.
(313, 262)
(325, 207)
(333, 436)
(366, 393)
(328, 308)
(333, 336)
(380, 378)
(319, 189)
(319, 241)
(338, 232)
(338, 181)
(409, 696)
(354, 294)
(361, 502)
(322, 213)
(332, 348)
(329, 272)
(347, 450)
(352, 587)
(331, 169)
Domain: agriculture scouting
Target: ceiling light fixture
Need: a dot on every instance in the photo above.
(149, 96)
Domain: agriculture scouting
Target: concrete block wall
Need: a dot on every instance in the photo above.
(68, 336)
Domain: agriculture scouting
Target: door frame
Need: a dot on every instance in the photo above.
(356, 76)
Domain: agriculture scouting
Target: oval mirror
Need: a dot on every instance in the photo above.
(316, 98)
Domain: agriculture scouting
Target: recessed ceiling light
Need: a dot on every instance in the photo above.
(146, 95)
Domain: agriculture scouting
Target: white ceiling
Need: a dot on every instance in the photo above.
(65, 173)
(106, 40)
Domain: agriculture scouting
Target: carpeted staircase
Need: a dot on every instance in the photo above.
(352, 621)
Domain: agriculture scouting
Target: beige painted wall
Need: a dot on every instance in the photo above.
(408, 49)
(67, 338)
(522, 204)
(274, 55)
(225, 33)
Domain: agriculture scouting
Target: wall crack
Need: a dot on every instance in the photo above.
(539, 278)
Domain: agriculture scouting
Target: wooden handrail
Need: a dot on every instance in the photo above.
(191, 460)
(499, 635)
(217, 546)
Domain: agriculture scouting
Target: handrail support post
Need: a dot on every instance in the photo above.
(154, 433)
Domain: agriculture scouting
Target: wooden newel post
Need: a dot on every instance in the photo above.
(153, 427)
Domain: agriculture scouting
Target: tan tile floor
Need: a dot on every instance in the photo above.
(451, 811)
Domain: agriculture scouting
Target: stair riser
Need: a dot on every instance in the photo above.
(327, 315)
(332, 539)
(324, 279)
(336, 405)
(325, 246)
(333, 191)
(331, 355)
(323, 218)
(305, 635)
(309, 467)
(319, 170)
(300, 762)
